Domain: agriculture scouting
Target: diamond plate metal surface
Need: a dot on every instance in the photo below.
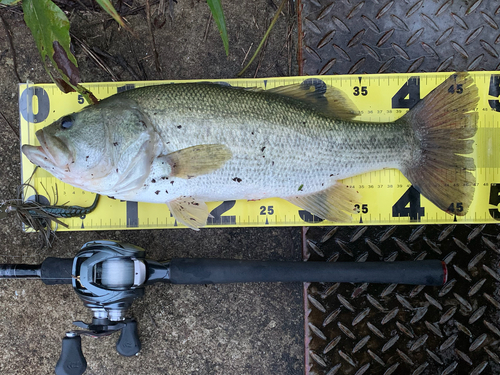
(379, 36)
(399, 329)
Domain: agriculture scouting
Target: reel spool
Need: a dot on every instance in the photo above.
(117, 273)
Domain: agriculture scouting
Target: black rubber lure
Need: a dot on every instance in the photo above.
(39, 216)
(66, 211)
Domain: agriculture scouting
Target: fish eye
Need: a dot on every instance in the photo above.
(66, 122)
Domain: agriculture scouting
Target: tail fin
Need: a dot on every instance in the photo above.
(443, 122)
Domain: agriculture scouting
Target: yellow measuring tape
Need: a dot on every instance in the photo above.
(387, 196)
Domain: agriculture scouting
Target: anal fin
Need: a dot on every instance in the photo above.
(335, 203)
(189, 211)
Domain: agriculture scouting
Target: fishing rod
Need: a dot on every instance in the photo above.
(108, 276)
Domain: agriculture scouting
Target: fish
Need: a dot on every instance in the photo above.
(190, 143)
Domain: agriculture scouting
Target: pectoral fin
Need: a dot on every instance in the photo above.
(189, 211)
(333, 204)
(325, 99)
(197, 160)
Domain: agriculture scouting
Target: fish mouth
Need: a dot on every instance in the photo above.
(51, 153)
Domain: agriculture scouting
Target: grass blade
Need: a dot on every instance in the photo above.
(216, 9)
(108, 7)
(275, 18)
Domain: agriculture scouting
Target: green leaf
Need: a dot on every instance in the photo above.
(108, 7)
(9, 2)
(50, 29)
(218, 14)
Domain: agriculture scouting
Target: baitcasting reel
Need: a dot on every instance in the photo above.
(108, 276)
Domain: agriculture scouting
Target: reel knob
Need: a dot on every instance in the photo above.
(129, 344)
(71, 361)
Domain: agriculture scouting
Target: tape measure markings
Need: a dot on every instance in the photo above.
(380, 98)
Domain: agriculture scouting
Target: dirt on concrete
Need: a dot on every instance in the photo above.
(204, 329)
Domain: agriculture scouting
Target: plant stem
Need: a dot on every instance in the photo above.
(275, 18)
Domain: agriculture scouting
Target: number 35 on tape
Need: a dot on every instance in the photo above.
(387, 196)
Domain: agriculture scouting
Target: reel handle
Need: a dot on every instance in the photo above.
(71, 361)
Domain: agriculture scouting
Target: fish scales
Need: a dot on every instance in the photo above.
(278, 144)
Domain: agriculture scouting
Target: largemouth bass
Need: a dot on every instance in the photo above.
(187, 144)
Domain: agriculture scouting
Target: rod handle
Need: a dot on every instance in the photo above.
(56, 271)
(216, 271)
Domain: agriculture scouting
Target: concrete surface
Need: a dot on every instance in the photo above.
(225, 329)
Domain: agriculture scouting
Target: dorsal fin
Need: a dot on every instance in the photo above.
(327, 100)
